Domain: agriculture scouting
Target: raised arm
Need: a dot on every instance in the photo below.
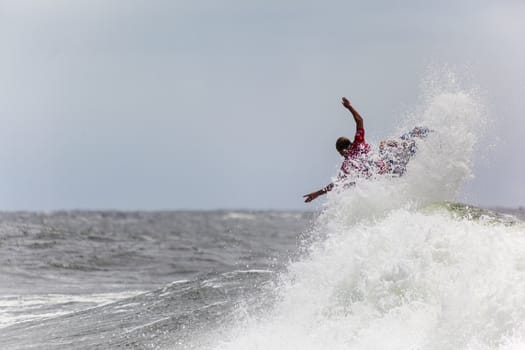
(359, 136)
(357, 117)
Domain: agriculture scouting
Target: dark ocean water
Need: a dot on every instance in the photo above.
(184, 280)
(136, 280)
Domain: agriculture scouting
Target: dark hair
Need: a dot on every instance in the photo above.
(342, 143)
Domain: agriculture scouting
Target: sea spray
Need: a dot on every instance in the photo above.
(438, 171)
(393, 270)
(424, 279)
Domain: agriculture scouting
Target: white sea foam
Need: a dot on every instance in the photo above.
(238, 216)
(392, 271)
(410, 280)
(16, 308)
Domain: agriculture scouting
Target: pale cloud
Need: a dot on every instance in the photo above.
(172, 104)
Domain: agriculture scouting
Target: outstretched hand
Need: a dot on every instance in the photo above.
(346, 103)
(310, 196)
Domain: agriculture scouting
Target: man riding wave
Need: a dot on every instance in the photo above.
(359, 161)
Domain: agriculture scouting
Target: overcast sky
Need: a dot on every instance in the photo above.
(235, 104)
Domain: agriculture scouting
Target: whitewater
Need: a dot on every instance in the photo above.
(396, 263)
(390, 263)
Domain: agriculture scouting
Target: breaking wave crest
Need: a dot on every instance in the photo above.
(397, 264)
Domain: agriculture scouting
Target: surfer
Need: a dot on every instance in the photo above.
(396, 153)
(356, 160)
(393, 158)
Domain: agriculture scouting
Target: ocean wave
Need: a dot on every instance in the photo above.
(397, 263)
